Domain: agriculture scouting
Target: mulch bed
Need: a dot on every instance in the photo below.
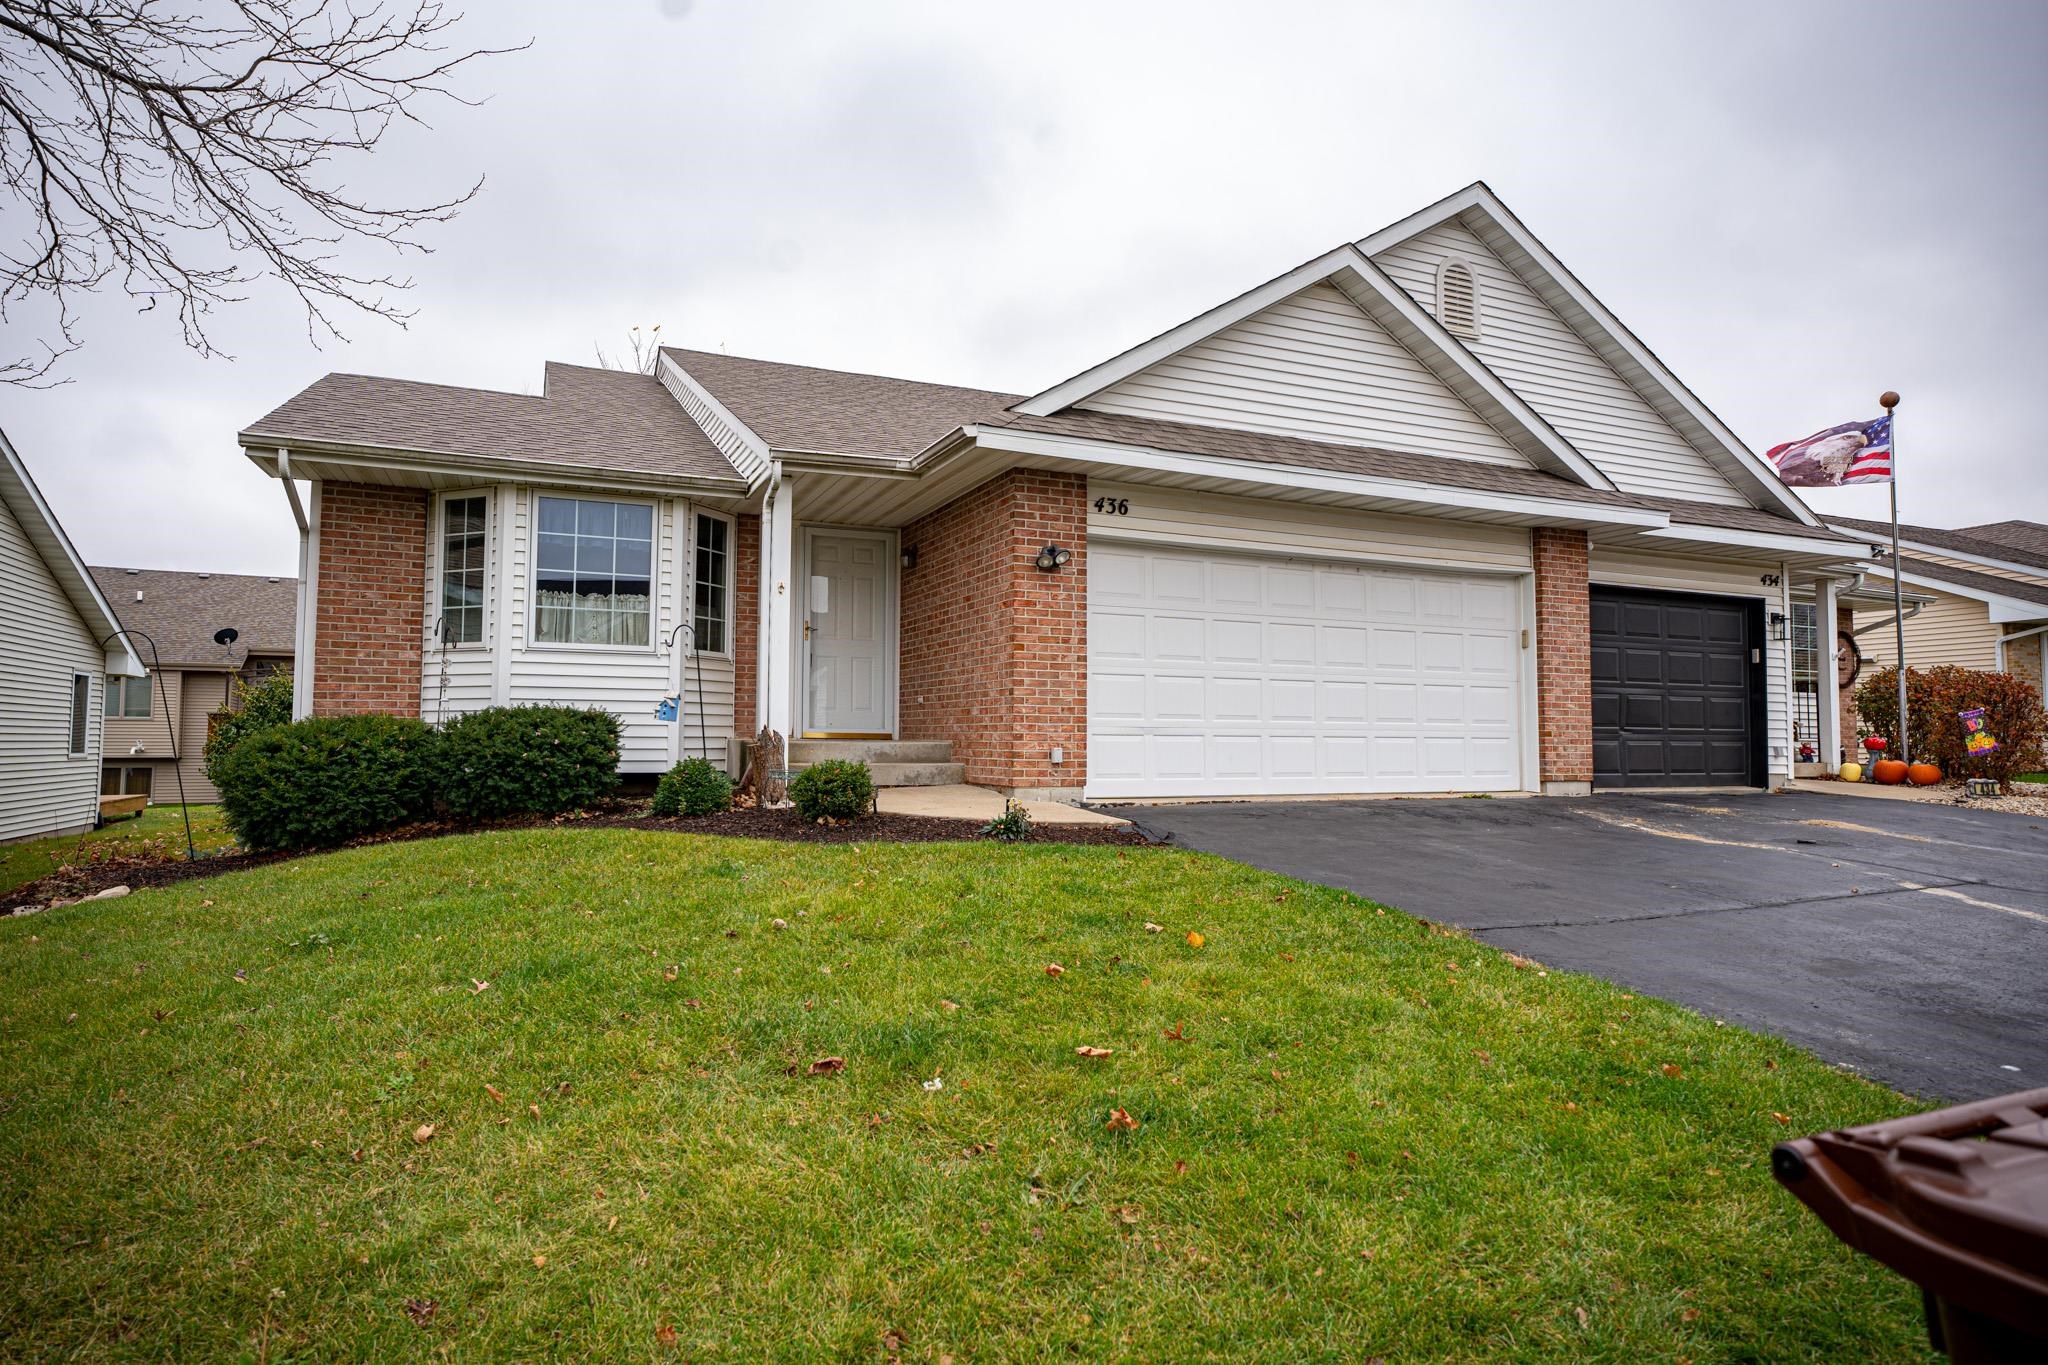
(84, 879)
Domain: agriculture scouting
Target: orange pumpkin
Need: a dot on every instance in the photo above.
(1923, 774)
(1889, 771)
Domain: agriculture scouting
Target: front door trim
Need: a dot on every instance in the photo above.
(891, 609)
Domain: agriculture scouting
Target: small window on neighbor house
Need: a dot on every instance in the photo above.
(81, 706)
(128, 698)
(462, 570)
(714, 584)
(1457, 300)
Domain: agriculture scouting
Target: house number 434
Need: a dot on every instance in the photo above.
(1113, 507)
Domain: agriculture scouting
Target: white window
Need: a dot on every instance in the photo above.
(81, 707)
(128, 698)
(711, 620)
(463, 534)
(1457, 299)
(593, 581)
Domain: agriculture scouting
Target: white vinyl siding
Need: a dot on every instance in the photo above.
(1557, 373)
(1312, 366)
(123, 733)
(44, 788)
(628, 681)
(1723, 578)
(1265, 526)
(1951, 629)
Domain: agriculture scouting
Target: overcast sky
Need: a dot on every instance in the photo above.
(1796, 205)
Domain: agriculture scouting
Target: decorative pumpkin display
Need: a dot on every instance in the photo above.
(1923, 774)
(1851, 772)
(1889, 772)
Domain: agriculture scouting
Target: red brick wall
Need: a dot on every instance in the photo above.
(368, 619)
(1564, 655)
(994, 653)
(746, 626)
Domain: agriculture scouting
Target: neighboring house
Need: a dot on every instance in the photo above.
(1982, 597)
(156, 725)
(59, 648)
(1420, 515)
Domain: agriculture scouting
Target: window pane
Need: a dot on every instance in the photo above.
(593, 556)
(81, 701)
(636, 521)
(557, 516)
(557, 552)
(711, 534)
(138, 780)
(633, 558)
(596, 518)
(136, 694)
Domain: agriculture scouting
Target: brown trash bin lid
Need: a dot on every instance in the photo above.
(1955, 1200)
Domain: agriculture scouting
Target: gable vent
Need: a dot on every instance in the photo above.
(1457, 300)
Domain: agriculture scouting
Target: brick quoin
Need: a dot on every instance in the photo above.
(1564, 656)
(994, 653)
(367, 622)
(746, 626)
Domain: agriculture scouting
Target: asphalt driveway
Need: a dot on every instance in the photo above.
(1908, 941)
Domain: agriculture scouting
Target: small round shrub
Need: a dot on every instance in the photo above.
(258, 706)
(837, 789)
(321, 782)
(692, 787)
(519, 760)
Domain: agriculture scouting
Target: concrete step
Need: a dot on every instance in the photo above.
(918, 774)
(804, 752)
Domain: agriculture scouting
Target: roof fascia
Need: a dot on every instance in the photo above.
(672, 370)
(1766, 540)
(1908, 543)
(1721, 447)
(1317, 480)
(263, 452)
(18, 490)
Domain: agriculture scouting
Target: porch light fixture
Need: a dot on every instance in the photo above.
(910, 556)
(1778, 629)
(1053, 558)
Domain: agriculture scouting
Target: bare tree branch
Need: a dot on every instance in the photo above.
(183, 154)
(641, 355)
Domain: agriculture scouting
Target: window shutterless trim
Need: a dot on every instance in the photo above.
(533, 641)
(732, 545)
(437, 601)
(78, 738)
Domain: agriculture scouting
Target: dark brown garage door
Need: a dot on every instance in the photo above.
(1676, 698)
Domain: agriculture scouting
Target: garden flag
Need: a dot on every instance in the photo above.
(1852, 453)
(1978, 740)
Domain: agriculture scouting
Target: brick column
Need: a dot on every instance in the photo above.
(746, 623)
(1564, 661)
(994, 653)
(369, 620)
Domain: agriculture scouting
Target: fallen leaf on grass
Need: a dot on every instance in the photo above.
(1485, 1057)
(1782, 1118)
(1672, 1070)
(671, 973)
(1055, 969)
(778, 925)
(935, 1083)
(356, 1156)
(477, 987)
(534, 1110)
(665, 1336)
(1086, 1051)
(1583, 1316)
(423, 1133)
(1689, 1315)
(828, 1066)
(892, 1340)
(421, 1311)
(540, 1262)
(1570, 1107)
(241, 974)
(948, 1005)
(1152, 928)
(1180, 1168)
(497, 1095)
(1195, 940)
(1120, 1121)
(1174, 1034)
(1127, 1214)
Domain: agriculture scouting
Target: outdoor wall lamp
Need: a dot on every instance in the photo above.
(1053, 558)
(1778, 631)
(910, 556)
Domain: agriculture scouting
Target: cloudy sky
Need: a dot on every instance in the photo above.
(1797, 206)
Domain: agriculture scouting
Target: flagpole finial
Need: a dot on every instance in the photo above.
(1888, 400)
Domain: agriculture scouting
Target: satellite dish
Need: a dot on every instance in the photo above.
(226, 636)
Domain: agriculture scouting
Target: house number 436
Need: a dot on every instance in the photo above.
(1113, 507)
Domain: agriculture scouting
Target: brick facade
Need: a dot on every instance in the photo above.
(994, 653)
(746, 625)
(367, 619)
(1845, 624)
(1564, 658)
(2023, 658)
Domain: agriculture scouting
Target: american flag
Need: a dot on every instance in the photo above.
(1854, 452)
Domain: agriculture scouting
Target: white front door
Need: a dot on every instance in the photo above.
(1215, 674)
(849, 646)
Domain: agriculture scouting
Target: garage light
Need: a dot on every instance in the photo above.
(1052, 558)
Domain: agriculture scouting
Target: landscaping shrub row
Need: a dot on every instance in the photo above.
(321, 782)
(1935, 701)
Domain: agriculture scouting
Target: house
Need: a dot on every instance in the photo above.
(1982, 597)
(60, 646)
(1418, 515)
(156, 725)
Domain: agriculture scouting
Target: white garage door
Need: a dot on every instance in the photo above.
(1228, 675)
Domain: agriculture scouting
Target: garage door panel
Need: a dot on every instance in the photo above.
(1295, 677)
(1117, 576)
(1671, 689)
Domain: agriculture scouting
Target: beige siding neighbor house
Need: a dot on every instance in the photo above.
(156, 725)
(59, 649)
(1419, 515)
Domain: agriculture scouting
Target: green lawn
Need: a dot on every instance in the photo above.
(1370, 1139)
(158, 832)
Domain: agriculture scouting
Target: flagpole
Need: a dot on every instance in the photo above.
(1890, 401)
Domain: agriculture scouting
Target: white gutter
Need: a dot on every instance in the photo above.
(307, 599)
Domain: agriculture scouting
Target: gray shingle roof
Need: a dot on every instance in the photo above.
(1969, 578)
(2019, 542)
(600, 419)
(836, 412)
(181, 611)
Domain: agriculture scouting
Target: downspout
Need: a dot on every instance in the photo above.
(302, 630)
(763, 591)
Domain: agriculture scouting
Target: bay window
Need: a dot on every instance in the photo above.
(462, 569)
(593, 572)
(711, 620)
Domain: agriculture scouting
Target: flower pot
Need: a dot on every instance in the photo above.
(1923, 774)
(1851, 772)
(1889, 772)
